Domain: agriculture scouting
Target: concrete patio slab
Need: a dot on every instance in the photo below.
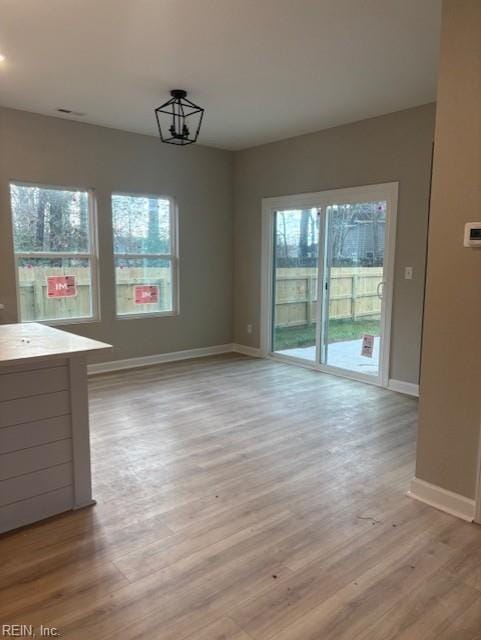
(344, 355)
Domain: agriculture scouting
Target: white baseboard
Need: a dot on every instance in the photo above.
(400, 386)
(145, 361)
(452, 503)
(247, 351)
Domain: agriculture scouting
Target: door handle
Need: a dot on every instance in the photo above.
(380, 289)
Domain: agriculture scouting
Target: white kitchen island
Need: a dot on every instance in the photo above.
(44, 423)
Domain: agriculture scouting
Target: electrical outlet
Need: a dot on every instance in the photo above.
(249, 328)
(408, 273)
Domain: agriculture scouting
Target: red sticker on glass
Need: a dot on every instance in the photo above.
(61, 287)
(146, 293)
(367, 346)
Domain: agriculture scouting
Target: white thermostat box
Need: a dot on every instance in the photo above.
(472, 234)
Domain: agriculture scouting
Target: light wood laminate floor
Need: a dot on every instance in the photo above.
(243, 499)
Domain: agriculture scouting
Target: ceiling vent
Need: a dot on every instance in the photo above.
(70, 112)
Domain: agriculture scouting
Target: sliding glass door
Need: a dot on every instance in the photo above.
(354, 276)
(331, 279)
(295, 329)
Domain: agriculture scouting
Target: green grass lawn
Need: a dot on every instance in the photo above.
(339, 331)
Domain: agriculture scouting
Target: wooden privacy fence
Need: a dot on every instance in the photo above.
(352, 294)
(35, 304)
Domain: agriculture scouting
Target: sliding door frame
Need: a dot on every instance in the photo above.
(321, 200)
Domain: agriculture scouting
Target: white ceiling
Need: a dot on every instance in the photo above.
(263, 69)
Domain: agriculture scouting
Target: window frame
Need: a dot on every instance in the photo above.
(173, 257)
(92, 255)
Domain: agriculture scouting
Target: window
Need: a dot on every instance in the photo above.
(53, 236)
(145, 254)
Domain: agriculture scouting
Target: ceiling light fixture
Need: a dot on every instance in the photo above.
(179, 119)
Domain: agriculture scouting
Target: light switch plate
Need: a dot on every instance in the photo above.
(408, 273)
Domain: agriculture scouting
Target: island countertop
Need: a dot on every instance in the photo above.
(22, 342)
(44, 423)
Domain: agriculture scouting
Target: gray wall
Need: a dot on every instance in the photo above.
(449, 412)
(36, 148)
(395, 147)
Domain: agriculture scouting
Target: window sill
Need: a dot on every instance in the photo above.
(67, 321)
(139, 316)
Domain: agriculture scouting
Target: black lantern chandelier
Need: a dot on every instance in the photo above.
(179, 119)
